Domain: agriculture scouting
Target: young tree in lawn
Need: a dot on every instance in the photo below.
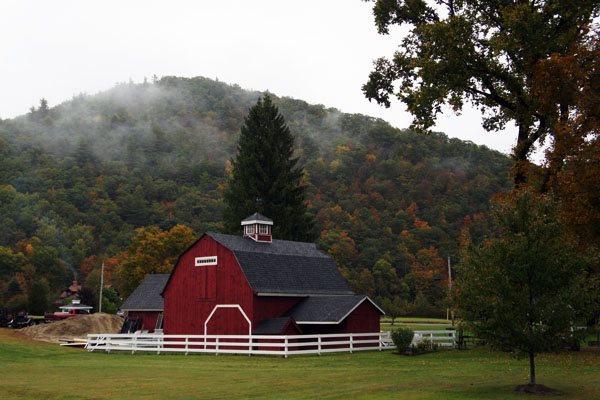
(265, 177)
(483, 52)
(526, 289)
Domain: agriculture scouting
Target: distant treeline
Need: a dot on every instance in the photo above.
(78, 179)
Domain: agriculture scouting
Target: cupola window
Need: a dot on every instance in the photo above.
(258, 228)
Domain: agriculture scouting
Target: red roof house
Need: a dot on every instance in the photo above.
(226, 284)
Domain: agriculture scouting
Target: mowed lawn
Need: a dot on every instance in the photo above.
(33, 370)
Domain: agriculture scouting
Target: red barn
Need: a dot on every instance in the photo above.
(256, 284)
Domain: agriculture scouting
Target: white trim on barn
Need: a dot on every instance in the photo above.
(205, 261)
(228, 306)
(256, 221)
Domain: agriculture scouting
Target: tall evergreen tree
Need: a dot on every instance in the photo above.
(265, 177)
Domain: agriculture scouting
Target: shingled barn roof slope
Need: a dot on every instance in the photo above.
(285, 267)
(327, 309)
(146, 297)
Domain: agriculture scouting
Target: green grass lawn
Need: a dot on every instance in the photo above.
(32, 370)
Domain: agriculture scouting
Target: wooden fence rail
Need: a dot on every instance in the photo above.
(256, 344)
(442, 338)
(241, 344)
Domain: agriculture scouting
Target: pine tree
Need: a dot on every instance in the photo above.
(265, 177)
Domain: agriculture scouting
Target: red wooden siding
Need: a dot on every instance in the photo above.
(228, 321)
(193, 292)
(147, 318)
(364, 319)
(272, 307)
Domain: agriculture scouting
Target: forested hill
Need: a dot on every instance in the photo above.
(77, 179)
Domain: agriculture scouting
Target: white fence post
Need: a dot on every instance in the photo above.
(285, 350)
(319, 345)
(351, 344)
(186, 346)
(217, 346)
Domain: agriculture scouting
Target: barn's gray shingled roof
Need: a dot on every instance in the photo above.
(270, 326)
(147, 295)
(285, 267)
(326, 308)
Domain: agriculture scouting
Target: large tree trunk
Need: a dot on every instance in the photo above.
(531, 368)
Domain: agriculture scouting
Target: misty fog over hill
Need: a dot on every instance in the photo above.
(77, 179)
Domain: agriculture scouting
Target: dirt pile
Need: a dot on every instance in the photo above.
(74, 327)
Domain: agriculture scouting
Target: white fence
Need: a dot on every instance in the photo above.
(241, 344)
(257, 344)
(442, 338)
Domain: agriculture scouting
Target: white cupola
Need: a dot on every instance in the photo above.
(258, 228)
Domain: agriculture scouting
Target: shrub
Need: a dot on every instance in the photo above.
(402, 338)
(425, 346)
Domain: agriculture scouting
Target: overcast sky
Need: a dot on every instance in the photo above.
(320, 51)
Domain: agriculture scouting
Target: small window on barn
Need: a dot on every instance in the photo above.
(204, 261)
(264, 229)
(249, 228)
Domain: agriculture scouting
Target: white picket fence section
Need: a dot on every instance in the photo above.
(442, 338)
(279, 345)
(241, 344)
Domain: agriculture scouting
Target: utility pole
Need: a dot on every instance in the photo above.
(450, 288)
(101, 286)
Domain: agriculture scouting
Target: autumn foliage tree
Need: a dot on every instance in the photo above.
(573, 158)
(483, 52)
(153, 251)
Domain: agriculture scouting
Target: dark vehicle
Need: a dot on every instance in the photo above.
(20, 320)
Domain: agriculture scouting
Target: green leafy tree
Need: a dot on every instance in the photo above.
(12, 289)
(525, 290)
(483, 52)
(265, 177)
(110, 301)
(10, 262)
(89, 297)
(38, 297)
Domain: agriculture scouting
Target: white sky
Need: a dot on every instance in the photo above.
(320, 51)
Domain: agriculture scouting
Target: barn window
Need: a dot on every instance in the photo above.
(204, 261)
(249, 228)
(264, 229)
